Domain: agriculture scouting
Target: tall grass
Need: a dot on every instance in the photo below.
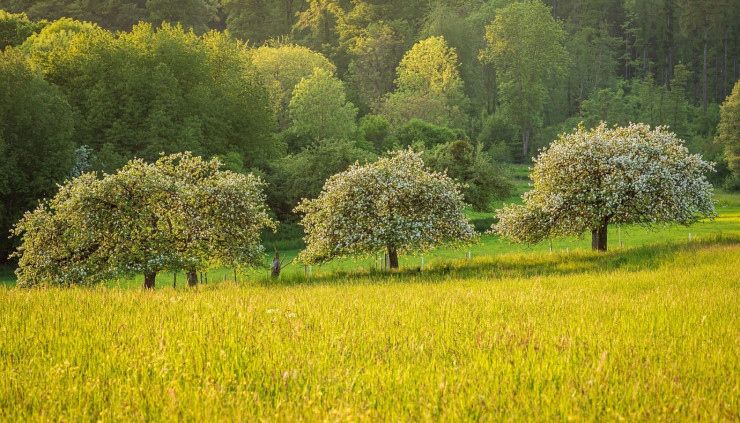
(647, 334)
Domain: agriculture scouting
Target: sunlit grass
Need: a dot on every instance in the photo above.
(648, 333)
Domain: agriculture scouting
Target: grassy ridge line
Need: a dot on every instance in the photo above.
(642, 340)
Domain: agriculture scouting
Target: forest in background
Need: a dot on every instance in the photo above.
(295, 91)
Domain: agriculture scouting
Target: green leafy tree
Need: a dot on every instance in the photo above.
(317, 26)
(703, 19)
(179, 212)
(625, 175)
(430, 66)
(594, 55)
(376, 130)
(428, 86)
(482, 180)
(63, 48)
(729, 130)
(36, 147)
(428, 134)
(525, 45)
(319, 108)
(259, 20)
(608, 105)
(375, 53)
(16, 28)
(394, 205)
(113, 15)
(401, 107)
(191, 14)
(282, 67)
(301, 175)
(166, 90)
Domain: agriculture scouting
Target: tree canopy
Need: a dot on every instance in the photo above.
(625, 175)
(729, 131)
(36, 144)
(525, 44)
(394, 205)
(319, 108)
(178, 213)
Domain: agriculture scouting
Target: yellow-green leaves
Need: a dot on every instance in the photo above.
(319, 108)
(729, 130)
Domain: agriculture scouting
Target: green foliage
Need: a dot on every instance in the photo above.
(729, 131)
(624, 175)
(191, 14)
(36, 147)
(376, 130)
(594, 55)
(163, 90)
(16, 28)
(62, 50)
(401, 107)
(526, 46)
(301, 175)
(282, 67)
(429, 87)
(319, 108)
(607, 105)
(394, 204)
(430, 67)
(482, 180)
(375, 53)
(180, 212)
(427, 134)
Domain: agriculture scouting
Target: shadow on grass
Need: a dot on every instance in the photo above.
(519, 265)
(509, 265)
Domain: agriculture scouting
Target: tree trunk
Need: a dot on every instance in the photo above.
(192, 276)
(525, 141)
(275, 269)
(393, 257)
(598, 238)
(149, 280)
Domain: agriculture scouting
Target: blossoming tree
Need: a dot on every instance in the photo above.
(394, 204)
(180, 212)
(625, 175)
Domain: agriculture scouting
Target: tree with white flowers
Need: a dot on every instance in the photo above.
(624, 175)
(394, 205)
(180, 212)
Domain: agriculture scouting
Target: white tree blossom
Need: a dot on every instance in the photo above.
(181, 212)
(625, 175)
(394, 204)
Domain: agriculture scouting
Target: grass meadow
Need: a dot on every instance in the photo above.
(650, 333)
(645, 332)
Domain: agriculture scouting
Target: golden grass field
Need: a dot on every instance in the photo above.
(645, 333)
(651, 334)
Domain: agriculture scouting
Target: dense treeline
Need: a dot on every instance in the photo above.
(298, 90)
